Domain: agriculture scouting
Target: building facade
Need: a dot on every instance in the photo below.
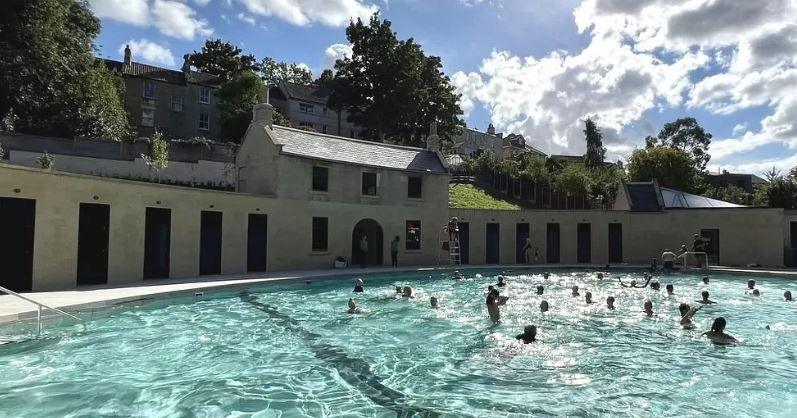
(747, 182)
(181, 104)
(306, 107)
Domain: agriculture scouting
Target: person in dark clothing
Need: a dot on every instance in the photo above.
(529, 334)
(358, 286)
(394, 247)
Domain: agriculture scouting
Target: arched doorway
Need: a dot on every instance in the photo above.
(372, 231)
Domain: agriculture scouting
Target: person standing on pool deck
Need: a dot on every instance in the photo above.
(529, 334)
(363, 250)
(358, 286)
(527, 250)
(717, 334)
(394, 246)
(705, 300)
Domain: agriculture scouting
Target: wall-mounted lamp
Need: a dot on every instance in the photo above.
(157, 202)
(17, 190)
(211, 206)
(96, 197)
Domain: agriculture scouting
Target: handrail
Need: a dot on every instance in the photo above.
(40, 306)
(684, 254)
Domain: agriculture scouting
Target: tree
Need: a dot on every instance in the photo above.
(573, 179)
(326, 78)
(686, 135)
(275, 72)
(158, 157)
(391, 88)
(50, 83)
(595, 151)
(733, 194)
(223, 59)
(671, 167)
(235, 99)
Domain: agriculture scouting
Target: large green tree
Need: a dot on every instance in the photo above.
(686, 135)
(596, 152)
(50, 83)
(275, 72)
(223, 59)
(671, 167)
(235, 99)
(391, 88)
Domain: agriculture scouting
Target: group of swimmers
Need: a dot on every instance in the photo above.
(494, 301)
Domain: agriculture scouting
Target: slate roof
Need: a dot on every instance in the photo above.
(138, 69)
(354, 151)
(678, 199)
(648, 197)
(311, 93)
(643, 197)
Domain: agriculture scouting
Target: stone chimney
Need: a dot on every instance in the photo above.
(263, 112)
(491, 129)
(186, 64)
(433, 141)
(128, 55)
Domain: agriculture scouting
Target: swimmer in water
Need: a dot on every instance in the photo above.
(705, 300)
(634, 284)
(529, 334)
(610, 302)
(358, 286)
(546, 275)
(750, 284)
(705, 279)
(655, 285)
(756, 292)
(647, 308)
(492, 306)
(575, 292)
(588, 298)
(457, 275)
(670, 289)
(687, 313)
(407, 292)
(717, 334)
(787, 296)
(434, 302)
(600, 276)
(352, 307)
(544, 306)
(399, 290)
(540, 289)
(500, 281)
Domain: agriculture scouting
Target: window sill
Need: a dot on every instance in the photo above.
(414, 199)
(413, 251)
(204, 103)
(320, 192)
(369, 196)
(204, 129)
(319, 252)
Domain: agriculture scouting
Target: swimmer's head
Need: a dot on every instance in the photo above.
(575, 290)
(407, 291)
(704, 294)
(352, 306)
(633, 282)
(705, 279)
(588, 297)
(610, 302)
(719, 324)
(683, 308)
(756, 292)
(600, 276)
(358, 282)
(500, 279)
(530, 330)
(544, 306)
(490, 289)
(398, 289)
(494, 292)
(434, 302)
(648, 306)
(457, 274)
(787, 295)
(751, 284)
(655, 285)
(546, 274)
(670, 288)
(540, 289)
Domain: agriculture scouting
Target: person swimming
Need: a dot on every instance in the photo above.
(399, 290)
(407, 293)
(756, 292)
(787, 296)
(750, 284)
(546, 275)
(705, 279)
(457, 275)
(352, 307)
(540, 289)
(634, 284)
(655, 286)
(544, 306)
(647, 308)
(575, 292)
(529, 334)
(588, 297)
(600, 276)
(501, 282)
(687, 313)
(434, 302)
(670, 289)
(492, 305)
(358, 286)
(705, 300)
(717, 333)
(610, 302)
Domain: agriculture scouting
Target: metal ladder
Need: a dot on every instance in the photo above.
(40, 306)
(452, 256)
(695, 253)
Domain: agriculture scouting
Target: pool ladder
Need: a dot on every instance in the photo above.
(40, 307)
(704, 266)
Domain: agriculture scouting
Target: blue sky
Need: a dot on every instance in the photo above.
(535, 67)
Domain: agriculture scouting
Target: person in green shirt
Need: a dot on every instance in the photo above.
(394, 246)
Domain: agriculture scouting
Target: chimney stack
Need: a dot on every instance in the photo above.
(491, 129)
(186, 63)
(433, 141)
(263, 112)
(128, 55)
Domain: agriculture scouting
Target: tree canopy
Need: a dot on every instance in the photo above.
(50, 83)
(686, 135)
(671, 167)
(391, 88)
(223, 59)
(235, 100)
(596, 152)
(274, 72)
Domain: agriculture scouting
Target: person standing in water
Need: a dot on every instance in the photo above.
(352, 307)
(529, 334)
(647, 308)
(588, 298)
(705, 300)
(687, 313)
(540, 289)
(394, 247)
(670, 289)
(358, 286)
(492, 305)
(574, 292)
(610, 303)
(363, 251)
(501, 282)
(434, 302)
(544, 306)
(717, 333)
(787, 296)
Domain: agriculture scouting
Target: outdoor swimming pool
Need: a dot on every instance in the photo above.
(291, 350)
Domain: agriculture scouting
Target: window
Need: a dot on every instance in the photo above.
(369, 184)
(148, 118)
(149, 89)
(320, 233)
(177, 103)
(204, 95)
(204, 121)
(320, 178)
(306, 108)
(414, 187)
(413, 238)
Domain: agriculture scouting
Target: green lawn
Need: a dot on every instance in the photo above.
(467, 196)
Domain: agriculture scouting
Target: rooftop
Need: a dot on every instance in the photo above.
(161, 74)
(306, 93)
(354, 151)
(647, 196)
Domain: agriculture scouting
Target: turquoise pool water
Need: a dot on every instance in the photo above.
(291, 350)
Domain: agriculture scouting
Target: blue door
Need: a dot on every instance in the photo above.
(493, 239)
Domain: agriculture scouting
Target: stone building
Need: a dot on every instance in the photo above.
(179, 103)
(306, 107)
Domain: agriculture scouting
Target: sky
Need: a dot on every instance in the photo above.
(535, 67)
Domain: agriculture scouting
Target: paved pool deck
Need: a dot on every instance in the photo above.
(92, 298)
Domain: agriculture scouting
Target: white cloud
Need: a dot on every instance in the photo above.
(176, 19)
(306, 12)
(148, 52)
(202, 2)
(335, 52)
(739, 128)
(135, 12)
(243, 17)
